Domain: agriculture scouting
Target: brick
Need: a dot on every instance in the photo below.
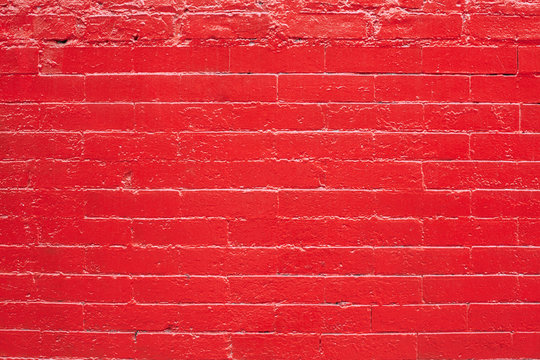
(87, 344)
(375, 117)
(97, 117)
(323, 88)
(469, 60)
(486, 175)
(19, 60)
(522, 260)
(54, 27)
(181, 59)
(19, 117)
(529, 232)
(487, 203)
(136, 260)
(182, 346)
(19, 231)
(326, 203)
(258, 59)
(275, 346)
(19, 342)
(505, 146)
(130, 146)
(223, 116)
(412, 146)
(464, 345)
(327, 26)
(226, 26)
(181, 289)
(530, 114)
(128, 27)
(502, 317)
(14, 174)
(133, 87)
(180, 232)
(56, 231)
(422, 204)
(529, 288)
(83, 288)
(84, 60)
(528, 59)
(17, 287)
(78, 174)
(465, 289)
(373, 59)
(370, 346)
(180, 318)
(20, 146)
(374, 175)
(469, 231)
(503, 27)
(41, 316)
(420, 26)
(24, 88)
(250, 204)
(419, 318)
(471, 117)
(366, 290)
(67, 203)
(42, 259)
(204, 261)
(228, 87)
(526, 344)
(322, 319)
(520, 89)
(164, 203)
(331, 232)
(434, 88)
(282, 289)
(421, 261)
(18, 26)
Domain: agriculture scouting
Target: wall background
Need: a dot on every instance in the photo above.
(270, 179)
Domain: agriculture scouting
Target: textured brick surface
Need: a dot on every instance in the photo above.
(265, 180)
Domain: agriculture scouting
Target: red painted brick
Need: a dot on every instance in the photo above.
(375, 117)
(226, 26)
(505, 146)
(180, 232)
(469, 231)
(435, 88)
(84, 60)
(505, 203)
(529, 59)
(502, 317)
(471, 117)
(522, 260)
(130, 146)
(526, 344)
(373, 59)
(321, 88)
(420, 26)
(464, 345)
(469, 60)
(327, 26)
(275, 346)
(529, 288)
(55, 231)
(419, 318)
(333, 232)
(19, 117)
(97, 117)
(20, 343)
(83, 288)
(54, 27)
(41, 316)
(282, 289)
(17, 287)
(185, 289)
(128, 27)
(503, 27)
(182, 346)
(465, 289)
(369, 346)
(180, 59)
(24, 88)
(19, 61)
(530, 115)
(505, 89)
(258, 59)
(529, 231)
(322, 319)
(19, 231)
(228, 117)
(87, 344)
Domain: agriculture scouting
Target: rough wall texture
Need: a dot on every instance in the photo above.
(296, 180)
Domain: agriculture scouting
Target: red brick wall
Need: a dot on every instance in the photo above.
(270, 179)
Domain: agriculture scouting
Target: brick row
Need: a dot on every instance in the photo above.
(266, 87)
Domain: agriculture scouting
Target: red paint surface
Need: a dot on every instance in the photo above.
(245, 179)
